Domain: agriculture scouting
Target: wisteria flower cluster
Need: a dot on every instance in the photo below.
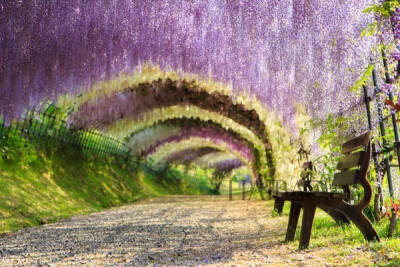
(206, 133)
(387, 88)
(395, 20)
(396, 54)
(189, 155)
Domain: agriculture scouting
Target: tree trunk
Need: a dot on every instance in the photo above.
(377, 207)
(217, 187)
(393, 223)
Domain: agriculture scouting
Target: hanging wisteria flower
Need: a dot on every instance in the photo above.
(396, 29)
(395, 19)
(243, 44)
(387, 88)
(396, 54)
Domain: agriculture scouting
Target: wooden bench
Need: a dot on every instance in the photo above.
(304, 184)
(353, 168)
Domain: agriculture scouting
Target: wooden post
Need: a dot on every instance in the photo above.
(230, 189)
(382, 130)
(64, 136)
(243, 190)
(2, 127)
(260, 186)
(98, 144)
(391, 97)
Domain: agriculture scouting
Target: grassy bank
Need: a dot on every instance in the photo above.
(44, 183)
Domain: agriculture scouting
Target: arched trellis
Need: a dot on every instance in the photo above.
(214, 159)
(189, 155)
(203, 141)
(226, 166)
(207, 133)
(222, 169)
(124, 127)
(144, 97)
(216, 135)
(195, 156)
(165, 93)
(175, 126)
(162, 153)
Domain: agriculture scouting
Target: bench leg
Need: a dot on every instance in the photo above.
(295, 208)
(307, 223)
(278, 205)
(365, 226)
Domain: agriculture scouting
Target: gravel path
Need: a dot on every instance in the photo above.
(175, 230)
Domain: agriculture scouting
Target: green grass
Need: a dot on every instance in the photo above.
(42, 185)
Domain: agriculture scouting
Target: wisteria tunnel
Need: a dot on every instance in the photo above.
(188, 96)
(122, 63)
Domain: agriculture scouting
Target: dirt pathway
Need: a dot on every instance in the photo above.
(167, 231)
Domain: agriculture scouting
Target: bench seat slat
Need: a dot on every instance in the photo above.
(346, 178)
(314, 194)
(350, 161)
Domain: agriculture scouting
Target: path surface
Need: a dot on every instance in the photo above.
(169, 231)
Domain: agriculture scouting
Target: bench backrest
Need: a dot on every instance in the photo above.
(354, 164)
(350, 160)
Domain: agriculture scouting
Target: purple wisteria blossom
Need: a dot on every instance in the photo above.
(217, 137)
(395, 20)
(387, 88)
(396, 54)
(282, 52)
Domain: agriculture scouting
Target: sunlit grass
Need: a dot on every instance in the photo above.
(45, 185)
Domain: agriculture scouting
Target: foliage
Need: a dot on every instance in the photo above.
(385, 8)
(14, 150)
(195, 177)
(391, 206)
(364, 79)
(334, 130)
(382, 11)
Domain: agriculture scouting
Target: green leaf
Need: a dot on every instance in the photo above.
(369, 9)
(378, 10)
(363, 79)
(391, 5)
